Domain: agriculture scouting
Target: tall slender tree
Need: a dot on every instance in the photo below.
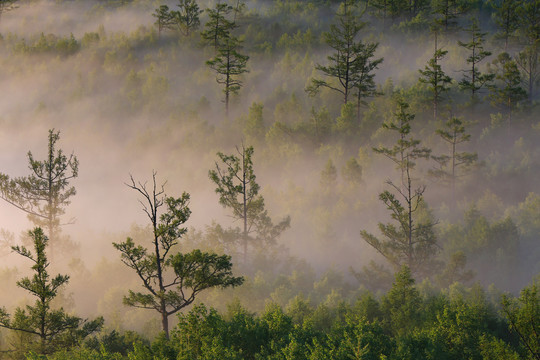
(218, 28)
(434, 76)
(45, 193)
(453, 166)
(473, 80)
(408, 242)
(363, 77)
(238, 191)
(229, 65)
(506, 16)
(507, 92)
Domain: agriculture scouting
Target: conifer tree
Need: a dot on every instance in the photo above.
(408, 242)
(229, 64)
(506, 16)
(45, 193)
(238, 191)
(350, 65)
(473, 79)
(218, 28)
(53, 328)
(454, 165)
(436, 79)
(507, 92)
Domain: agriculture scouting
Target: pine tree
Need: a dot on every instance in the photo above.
(238, 191)
(506, 16)
(473, 79)
(45, 193)
(453, 166)
(409, 242)
(436, 79)
(53, 328)
(229, 64)
(218, 28)
(350, 64)
(507, 92)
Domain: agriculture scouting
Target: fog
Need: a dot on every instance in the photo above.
(132, 103)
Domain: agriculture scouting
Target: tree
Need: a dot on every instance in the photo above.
(410, 242)
(45, 193)
(229, 64)
(449, 10)
(164, 18)
(350, 65)
(187, 16)
(165, 292)
(506, 16)
(435, 78)
(362, 74)
(523, 314)
(527, 59)
(54, 328)
(218, 28)
(507, 92)
(238, 191)
(473, 79)
(450, 165)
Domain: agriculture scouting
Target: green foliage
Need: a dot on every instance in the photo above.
(508, 91)
(436, 79)
(238, 191)
(49, 328)
(523, 315)
(473, 79)
(45, 193)
(411, 241)
(218, 28)
(229, 64)
(193, 272)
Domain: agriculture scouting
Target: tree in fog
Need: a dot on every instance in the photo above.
(229, 65)
(506, 17)
(45, 193)
(52, 328)
(218, 28)
(473, 79)
(507, 92)
(436, 79)
(170, 281)
(407, 241)
(187, 16)
(239, 192)
(454, 165)
(164, 18)
(350, 66)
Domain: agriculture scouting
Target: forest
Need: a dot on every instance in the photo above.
(270, 179)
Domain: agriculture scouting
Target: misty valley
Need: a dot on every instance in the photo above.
(270, 179)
